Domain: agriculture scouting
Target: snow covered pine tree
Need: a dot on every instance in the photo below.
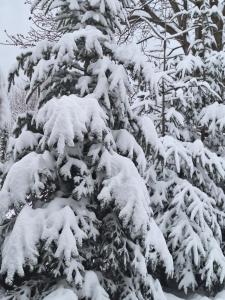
(75, 211)
(190, 173)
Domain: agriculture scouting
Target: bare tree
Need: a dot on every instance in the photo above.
(150, 12)
(43, 26)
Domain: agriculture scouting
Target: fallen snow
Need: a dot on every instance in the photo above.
(219, 296)
(62, 294)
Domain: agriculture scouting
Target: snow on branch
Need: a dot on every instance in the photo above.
(27, 140)
(194, 235)
(148, 134)
(69, 119)
(176, 154)
(126, 190)
(131, 56)
(213, 117)
(128, 146)
(64, 226)
(210, 161)
(26, 176)
(189, 156)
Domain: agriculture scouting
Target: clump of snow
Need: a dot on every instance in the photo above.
(189, 64)
(148, 131)
(220, 296)
(172, 297)
(127, 189)
(208, 160)
(60, 228)
(213, 116)
(69, 119)
(175, 153)
(127, 145)
(92, 288)
(27, 140)
(130, 55)
(62, 294)
(20, 248)
(26, 176)
(62, 225)
(154, 239)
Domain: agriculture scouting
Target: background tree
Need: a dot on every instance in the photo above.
(5, 119)
(188, 194)
(42, 26)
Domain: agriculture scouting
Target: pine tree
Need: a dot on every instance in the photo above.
(74, 205)
(188, 195)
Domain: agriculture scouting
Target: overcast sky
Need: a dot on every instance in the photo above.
(13, 17)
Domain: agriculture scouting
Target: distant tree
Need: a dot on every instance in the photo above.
(19, 103)
(42, 27)
(189, 197)
(5, 118)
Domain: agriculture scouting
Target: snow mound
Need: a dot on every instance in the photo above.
(92, 287)
(62, 294)
(220, 296)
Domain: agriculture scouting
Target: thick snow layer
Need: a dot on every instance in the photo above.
(26, 140)
(127, 145)
(213, 116)
(61, 294)
(175, 153)
(219, 296)
(56, 224)
(147, 128)
(92, 287)
(22, 241)
(192, 297)
(70, 118)
(189, 64)
(172, 297)
(25, 176)
(130, 55)
(126, 189)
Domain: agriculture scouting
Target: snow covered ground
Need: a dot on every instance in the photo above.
(219, 296)
(66, 294)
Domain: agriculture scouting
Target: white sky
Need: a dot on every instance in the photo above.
(14, 16)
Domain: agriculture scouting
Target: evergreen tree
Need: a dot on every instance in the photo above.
(188, 195)
(74, 207)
